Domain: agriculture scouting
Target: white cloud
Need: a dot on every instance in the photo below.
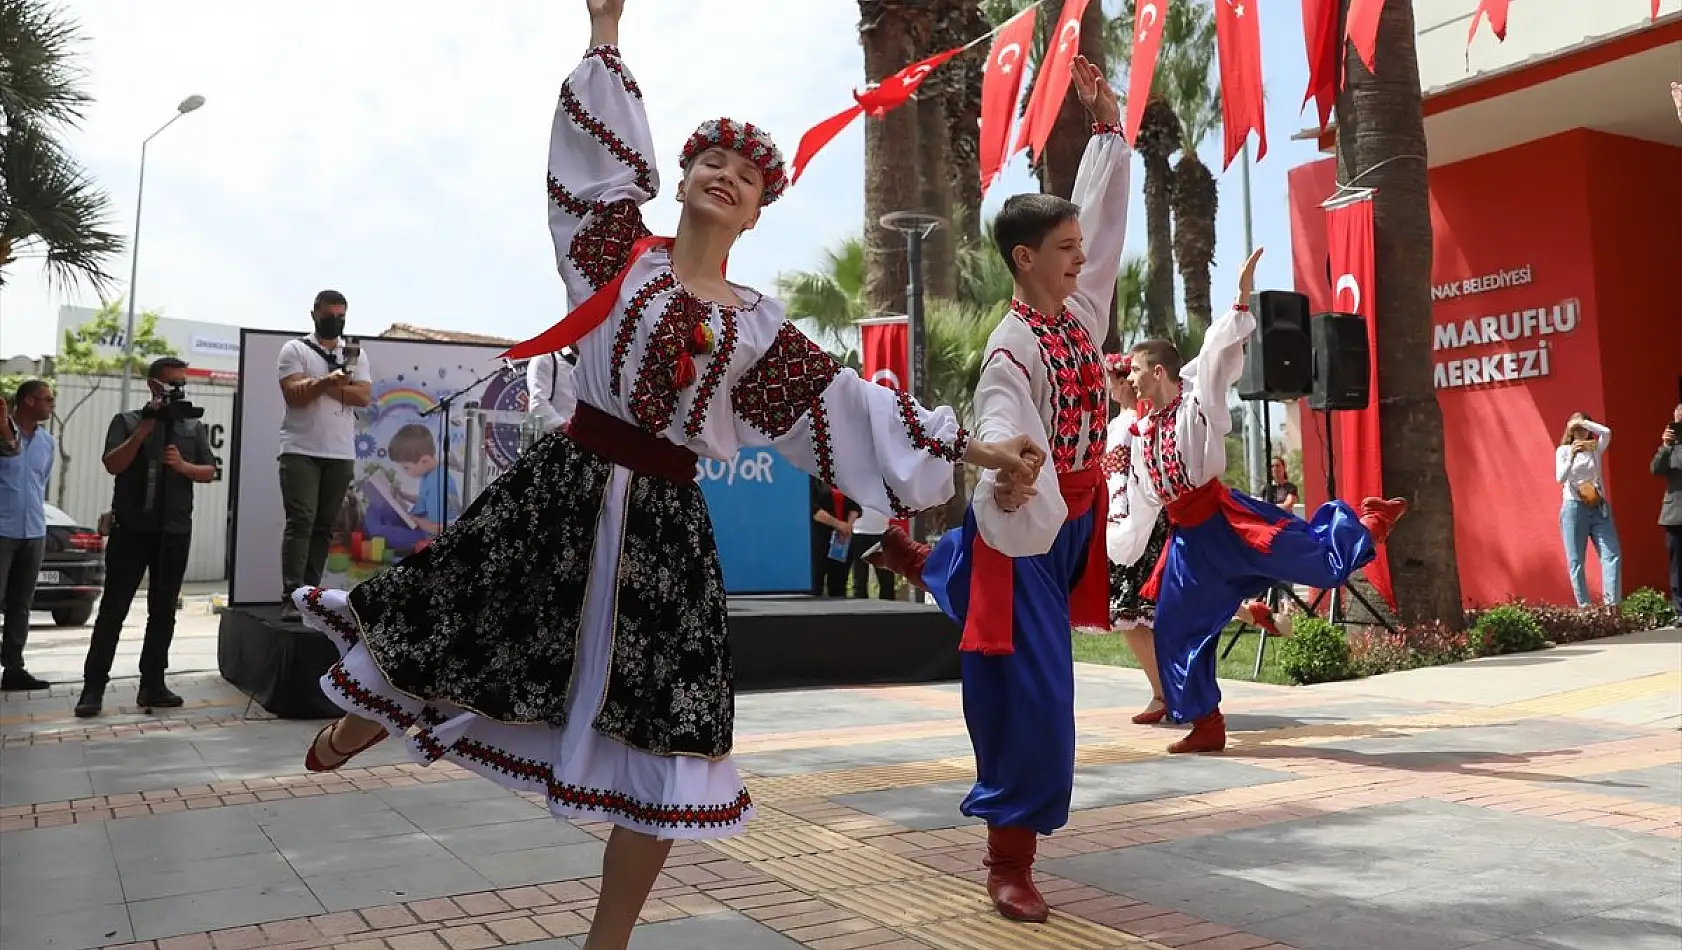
(394, 150)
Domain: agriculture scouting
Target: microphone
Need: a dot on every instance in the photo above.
(353, 350)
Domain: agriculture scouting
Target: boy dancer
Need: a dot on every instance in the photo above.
(1030, 558)
(1225, 545)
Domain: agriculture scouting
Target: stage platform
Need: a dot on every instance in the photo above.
(776, 642)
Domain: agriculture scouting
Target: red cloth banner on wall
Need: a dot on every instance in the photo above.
(1349, 234)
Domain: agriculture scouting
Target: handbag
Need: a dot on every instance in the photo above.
(1589, 494)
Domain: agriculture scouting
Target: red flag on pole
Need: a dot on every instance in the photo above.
(1496, 10)
(820, 135)
(1325, 55)
(1001, 86)
(1361, 27)
(1238, 41)
(1147, 43)
(884, 349)
(896, 90)
(1051, 80)
(1655, 9)
(1349, 233)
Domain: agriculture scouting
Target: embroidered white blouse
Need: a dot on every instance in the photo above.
(1573, 468)
(1125, 536)
(761, 383)
(1042, 376)
(1181, 446)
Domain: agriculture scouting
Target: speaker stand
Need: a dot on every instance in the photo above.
(1338, 615)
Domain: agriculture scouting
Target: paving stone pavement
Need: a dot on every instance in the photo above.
(1335, 821)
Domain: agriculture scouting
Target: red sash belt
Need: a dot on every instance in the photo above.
(989, 625)
(1199, 505)
(627, 445)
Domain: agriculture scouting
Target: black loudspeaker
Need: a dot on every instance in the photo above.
(1279, 360)
(1342, 362)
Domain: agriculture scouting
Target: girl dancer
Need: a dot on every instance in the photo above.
(567, 635)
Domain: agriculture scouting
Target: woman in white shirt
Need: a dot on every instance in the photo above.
(1584, 513)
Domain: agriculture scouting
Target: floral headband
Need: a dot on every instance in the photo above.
(747, 140)
(1119, 363)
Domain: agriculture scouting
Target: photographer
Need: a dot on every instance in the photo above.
(157, 454)
(324, 380)
(1667, 464)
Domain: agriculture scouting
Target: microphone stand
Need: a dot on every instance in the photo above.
(443, 406)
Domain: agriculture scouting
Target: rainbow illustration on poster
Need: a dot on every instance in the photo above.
(401, 397)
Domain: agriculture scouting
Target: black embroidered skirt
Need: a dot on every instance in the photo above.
(1129, 609)
(565, 636)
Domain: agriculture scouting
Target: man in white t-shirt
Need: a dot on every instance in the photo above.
(324, 382)
(551, 393)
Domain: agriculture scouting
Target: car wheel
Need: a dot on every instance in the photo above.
(76, 616)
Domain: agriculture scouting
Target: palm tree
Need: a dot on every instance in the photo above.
(963, 113)
(934, 146)
(1159, 138)
(1183, 78)
(49, 208)
(1378, 121)
(887, 31)
(831, 297)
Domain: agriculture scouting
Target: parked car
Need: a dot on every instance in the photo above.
(72, 570)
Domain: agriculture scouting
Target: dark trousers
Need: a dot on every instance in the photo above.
(1673, 540)
(129, 556)
(829, 576)
(312, 491)
(20, 568)
(885, 579)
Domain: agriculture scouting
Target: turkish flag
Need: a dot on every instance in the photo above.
(1238, 41)
(820, 135)
(897, 90)
(1655, 9)
(1001, 85)
(1349, 240)
(1496, 10)
(1325, 55)
(1051, 80)
(1361, 27)
(1147, 43)
(884, 349)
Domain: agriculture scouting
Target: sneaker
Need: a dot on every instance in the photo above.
(19, 680)
(92, 701)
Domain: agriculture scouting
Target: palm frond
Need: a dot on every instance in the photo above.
(39, 80)
(51, 206)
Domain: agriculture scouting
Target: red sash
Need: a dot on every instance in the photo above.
(1199, 505)
(590, 314)
(630, 446)
(989, 625)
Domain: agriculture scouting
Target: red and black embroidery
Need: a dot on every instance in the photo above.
(785, 384)
(654, 398)
(564, 199)
(1076, 376)
(1007, 354)
(1108, 128)
(919, 436)
(898, 507)
(626, 335)
(1165, 463)
(823, 444)
(609, 55)
(602, 247)
(609, 139)
(716, 367)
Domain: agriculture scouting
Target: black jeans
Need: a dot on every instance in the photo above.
(1673, 540)
(885, 579)
(129, 556)
(20, 569)
(312, 492)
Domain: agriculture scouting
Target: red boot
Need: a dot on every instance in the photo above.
(897, 552)
(1379, 515)
(1010, 878)
(1207, 735)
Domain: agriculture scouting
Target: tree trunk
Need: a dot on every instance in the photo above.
(963, 115)
(1159, 138)
(940, 260)
(1057, 167)
(890, 158)
(1379, 119)
(1196, 200)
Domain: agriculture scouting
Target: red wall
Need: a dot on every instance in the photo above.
(1592, 217)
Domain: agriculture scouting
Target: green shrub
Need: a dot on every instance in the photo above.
(1508, 629)
(1316, 652)
(1647, 609)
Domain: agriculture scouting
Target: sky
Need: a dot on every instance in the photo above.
(395, 152)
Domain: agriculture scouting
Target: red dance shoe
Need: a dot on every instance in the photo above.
(1258, 614)
(1207, 735)
(1379, 516)
(1151, 717)
(1010, 878)
(897, 552)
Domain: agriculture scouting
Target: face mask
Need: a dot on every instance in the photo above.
(329, 328)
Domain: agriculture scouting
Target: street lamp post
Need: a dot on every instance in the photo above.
(916, 227)
(189, 104)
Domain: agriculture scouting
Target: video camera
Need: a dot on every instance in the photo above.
(173, 405)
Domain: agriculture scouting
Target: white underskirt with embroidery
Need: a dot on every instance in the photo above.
(582, 773)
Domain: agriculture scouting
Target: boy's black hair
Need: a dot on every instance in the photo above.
(1025, 220)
